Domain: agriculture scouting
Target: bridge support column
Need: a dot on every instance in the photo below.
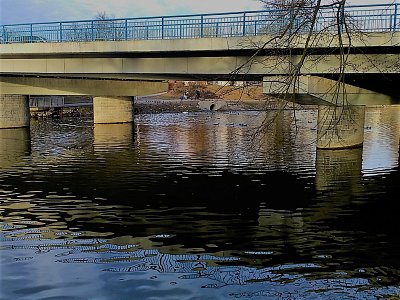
(14, 111)
(112, 110)
(340, 127)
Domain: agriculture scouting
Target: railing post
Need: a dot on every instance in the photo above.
(61, 37)
(244, 24)
(92, 30)
(341, 19)
(31, 33)
(202, 26)
(126, 30)
(395, 17)
(5, 37)
(162, 28)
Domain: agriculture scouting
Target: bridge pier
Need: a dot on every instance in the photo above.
(14, 111)
(113, 110)
(340, 127)
(341, 117)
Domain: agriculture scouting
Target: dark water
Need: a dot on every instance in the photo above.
(188, 206)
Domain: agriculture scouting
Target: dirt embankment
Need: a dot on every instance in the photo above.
(209, 91)
(231, 97)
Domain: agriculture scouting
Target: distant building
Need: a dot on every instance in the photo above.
(47, 102)
(237, 83)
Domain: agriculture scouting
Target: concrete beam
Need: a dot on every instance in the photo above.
(92, 87)
(198, 66)
(342, 93)
(118, 48)
(326, 90)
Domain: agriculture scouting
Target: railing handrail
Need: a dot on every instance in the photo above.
(9, 32)
(186, 15)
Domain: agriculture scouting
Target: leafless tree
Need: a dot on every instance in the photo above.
(293, 28)
(106, 27)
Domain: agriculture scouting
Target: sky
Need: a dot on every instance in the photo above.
(34, 11)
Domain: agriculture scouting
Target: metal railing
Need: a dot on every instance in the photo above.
(362, 18)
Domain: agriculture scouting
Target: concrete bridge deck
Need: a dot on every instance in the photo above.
(206, 58)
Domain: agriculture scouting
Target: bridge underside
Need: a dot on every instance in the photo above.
(378, 73)
(33, 85)
(320, 90)
(372, 89)
(386, 83)
(372, 63)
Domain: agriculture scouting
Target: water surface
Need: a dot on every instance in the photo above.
(190, 206)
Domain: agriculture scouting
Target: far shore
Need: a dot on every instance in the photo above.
(158, 105)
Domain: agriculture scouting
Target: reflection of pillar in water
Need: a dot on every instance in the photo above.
(108, 136)
(338, 168)
(15, 144)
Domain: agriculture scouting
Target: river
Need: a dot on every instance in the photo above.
(192, 206)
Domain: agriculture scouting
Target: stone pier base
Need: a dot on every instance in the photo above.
(14, 111)
(340, 127)
(113, 110)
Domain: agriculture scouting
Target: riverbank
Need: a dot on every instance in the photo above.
(157, 105)
(146, 105)
(197, 97)
(165, 106)
(211, 97)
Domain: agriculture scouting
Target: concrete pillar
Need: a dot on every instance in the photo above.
(112, 110)
(340, 127)
(14, 111)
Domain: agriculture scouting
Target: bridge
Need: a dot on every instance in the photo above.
(116, 59)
